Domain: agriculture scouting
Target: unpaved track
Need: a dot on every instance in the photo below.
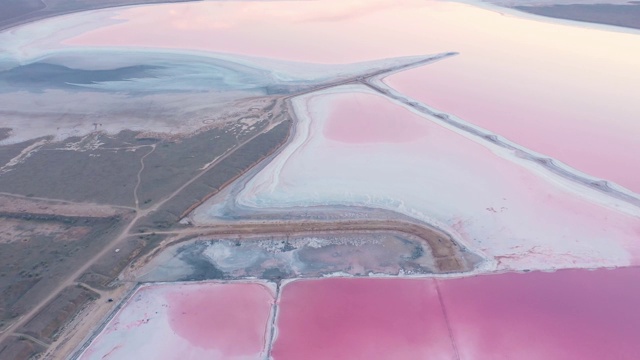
(139, 178)
(29, 337)
(66, 202)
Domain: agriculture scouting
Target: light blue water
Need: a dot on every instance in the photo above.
(134, 74)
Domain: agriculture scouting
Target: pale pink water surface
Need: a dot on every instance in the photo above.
(188, 321)
(569, 314)
(585, 134)
(361, 319)
(356, 119)
(230, 318)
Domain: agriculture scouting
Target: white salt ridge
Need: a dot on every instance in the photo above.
(630, 200)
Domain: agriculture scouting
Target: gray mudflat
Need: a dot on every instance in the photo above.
(608, 14)
(16, 12)
(12, 9)
(277, 258)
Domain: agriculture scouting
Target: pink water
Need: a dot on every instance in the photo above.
(231, 318)
(585, 134)
(361, 119)
(341, 318)
(570, 314)
(188, 321)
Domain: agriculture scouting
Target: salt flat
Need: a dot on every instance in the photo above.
(354, 147)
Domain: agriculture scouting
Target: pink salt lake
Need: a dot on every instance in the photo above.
(188, 321)
(569, 314)
(230, 318)
(539, 83)
(358, 119)
(361, 319)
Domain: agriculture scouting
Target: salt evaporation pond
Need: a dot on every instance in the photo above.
(361, 319)
(189, 321)
(355, 147)
(569, 314)
(501, 80)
